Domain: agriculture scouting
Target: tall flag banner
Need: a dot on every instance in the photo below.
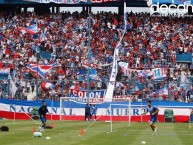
(41, 70)
(111, 84)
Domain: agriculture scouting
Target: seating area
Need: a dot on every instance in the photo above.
(62, 41)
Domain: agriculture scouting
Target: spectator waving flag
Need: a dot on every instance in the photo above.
(124, 66)
(137, 88)
(184, 83)
(143, 73)
(46, 85)
(95, 77)
(40, 69)
(162, 91)
(119, 84)
(31, 29)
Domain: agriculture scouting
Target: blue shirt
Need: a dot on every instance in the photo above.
(43, 110)
(94, 109)
(152, 110)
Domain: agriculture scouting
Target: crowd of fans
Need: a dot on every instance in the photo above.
(150, 42)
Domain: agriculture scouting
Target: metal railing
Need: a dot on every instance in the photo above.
(54, 89)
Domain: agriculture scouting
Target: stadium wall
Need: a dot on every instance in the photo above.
(13, 109)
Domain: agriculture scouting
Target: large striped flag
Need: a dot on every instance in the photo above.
(31, 29)
(41, 70)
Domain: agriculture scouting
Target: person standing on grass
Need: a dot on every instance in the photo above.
(94, 111)
(42, 113)
(153, 114)
(91, 111)
(87, 112)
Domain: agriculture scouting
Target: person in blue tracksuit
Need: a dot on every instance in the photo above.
(42, 113)
(87, 112)
(93, 111)
(153, 115)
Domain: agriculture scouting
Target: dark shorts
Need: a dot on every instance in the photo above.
(153, 119)
(43, 119)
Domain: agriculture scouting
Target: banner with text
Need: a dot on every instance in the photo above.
(70, 110)
(83, 93)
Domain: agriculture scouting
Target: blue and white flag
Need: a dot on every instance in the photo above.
(41, 70)
(31, 29)
(95, 77)
(184, 82)
(163, 91)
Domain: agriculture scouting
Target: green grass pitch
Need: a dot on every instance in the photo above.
(68, 133)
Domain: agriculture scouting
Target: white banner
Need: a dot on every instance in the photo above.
(111, 84)
(157, 73)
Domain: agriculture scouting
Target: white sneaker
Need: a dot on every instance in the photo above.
(155, 130)
(40, 128)
(43, 129)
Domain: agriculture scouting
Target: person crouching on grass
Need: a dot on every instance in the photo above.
(42, 113)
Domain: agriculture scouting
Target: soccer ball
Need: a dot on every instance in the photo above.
(143, 142)
(37, 134)
(47, 137)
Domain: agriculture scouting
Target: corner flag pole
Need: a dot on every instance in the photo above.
(88, 55)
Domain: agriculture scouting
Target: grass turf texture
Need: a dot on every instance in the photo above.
(68, 133)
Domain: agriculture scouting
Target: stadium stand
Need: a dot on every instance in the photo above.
(61, 40)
